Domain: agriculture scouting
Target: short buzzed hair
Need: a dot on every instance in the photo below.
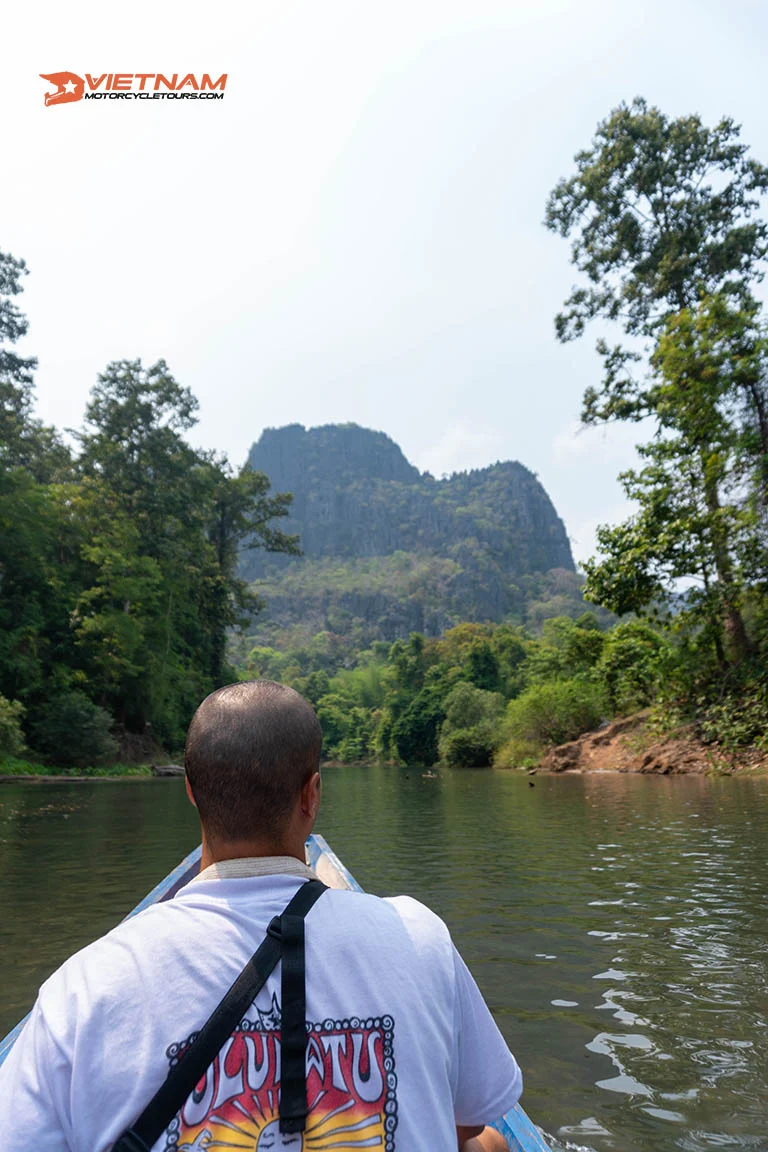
(250, 749)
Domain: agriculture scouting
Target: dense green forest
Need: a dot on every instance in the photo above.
(118, 560)
(120, 593)
(478, 695)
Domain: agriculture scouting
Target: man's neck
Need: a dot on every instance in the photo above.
(251, 866)
(214, 853)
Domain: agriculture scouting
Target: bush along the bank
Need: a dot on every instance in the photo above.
(72, 731)
(11, 733)
(550, 713)
(471, 731)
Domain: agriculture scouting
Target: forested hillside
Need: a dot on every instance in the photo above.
(388, 550)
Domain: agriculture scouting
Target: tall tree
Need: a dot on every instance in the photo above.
(663, 218)
(24, 440)
(16, 373)
(694, 518)
(660, 212)
(134, 442)
(240, 514)
(189, 514)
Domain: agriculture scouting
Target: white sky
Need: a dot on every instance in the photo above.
(354, 232)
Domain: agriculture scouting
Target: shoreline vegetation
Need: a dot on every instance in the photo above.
(17, 771)
(122, 597)
(627, 745)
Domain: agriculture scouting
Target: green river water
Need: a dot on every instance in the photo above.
(616, 924)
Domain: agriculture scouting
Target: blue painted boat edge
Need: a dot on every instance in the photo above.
(8, 1041)
(520, 1132)
(167, 888)
(318, 846)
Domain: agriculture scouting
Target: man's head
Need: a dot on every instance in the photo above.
(252, 748)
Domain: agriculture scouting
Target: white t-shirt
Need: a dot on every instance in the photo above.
(402, 1046)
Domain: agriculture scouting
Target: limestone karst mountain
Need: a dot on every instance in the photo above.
(389, 550)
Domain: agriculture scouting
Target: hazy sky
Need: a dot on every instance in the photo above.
(354, 233)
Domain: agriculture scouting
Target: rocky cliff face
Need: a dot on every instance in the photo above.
(356, 498)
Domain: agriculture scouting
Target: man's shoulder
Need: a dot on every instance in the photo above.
(404, 906)
(108, 962)
(402, 914)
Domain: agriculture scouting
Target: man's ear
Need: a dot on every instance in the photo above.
(189, 791)
(310, 795)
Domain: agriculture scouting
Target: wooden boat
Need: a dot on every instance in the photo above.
(521, 1134)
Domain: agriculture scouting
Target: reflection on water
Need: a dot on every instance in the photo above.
(617, 925)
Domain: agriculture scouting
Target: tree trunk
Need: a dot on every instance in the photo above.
(735, 631)
(717, 624)
(760, 405)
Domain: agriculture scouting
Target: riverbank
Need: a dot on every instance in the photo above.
(13, 770)
(632, 745)
(628, 745)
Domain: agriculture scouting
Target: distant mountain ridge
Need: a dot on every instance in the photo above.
(462, 544)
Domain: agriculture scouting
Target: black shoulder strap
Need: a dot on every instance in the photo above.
(285, 936)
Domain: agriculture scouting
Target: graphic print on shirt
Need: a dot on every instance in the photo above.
(351, 1090)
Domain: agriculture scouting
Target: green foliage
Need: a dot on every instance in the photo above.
(348, 730)
(417, 684)
(191, 514)
(16, 766)
(333, 713)
(313, 687)
(483, 667)
(471, 731)
(739, 718)
(663, 218)
(468, 747)
(118, 569)
(566, 648)
(365, 685)
(467, 706)
(24, 441)
(632, 664)
(11, 732)
(357, 742)
(557, 593)
(659, 210)
(693, 520)
(548, 714)
(72, 730)
(414, 731)
(726, 708)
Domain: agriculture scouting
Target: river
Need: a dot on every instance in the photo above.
(618, 925)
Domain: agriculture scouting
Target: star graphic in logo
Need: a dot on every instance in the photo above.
(69, 87)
